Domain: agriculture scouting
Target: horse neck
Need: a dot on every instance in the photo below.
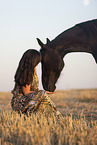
(64, 47)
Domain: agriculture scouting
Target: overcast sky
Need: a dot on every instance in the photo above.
(22, 21)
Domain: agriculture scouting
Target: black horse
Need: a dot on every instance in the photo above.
(80, 38)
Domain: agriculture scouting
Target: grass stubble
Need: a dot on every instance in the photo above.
(76, 126)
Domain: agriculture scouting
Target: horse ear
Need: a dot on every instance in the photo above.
(39, 42)
(47, 41)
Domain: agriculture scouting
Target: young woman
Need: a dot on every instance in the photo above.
(27, 97)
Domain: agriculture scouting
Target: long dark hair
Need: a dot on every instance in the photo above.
(25, 70)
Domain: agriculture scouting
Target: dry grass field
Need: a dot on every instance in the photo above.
(76, 126)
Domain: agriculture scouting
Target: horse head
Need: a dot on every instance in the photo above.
(52, 65)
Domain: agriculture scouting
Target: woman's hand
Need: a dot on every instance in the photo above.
(50, 92)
